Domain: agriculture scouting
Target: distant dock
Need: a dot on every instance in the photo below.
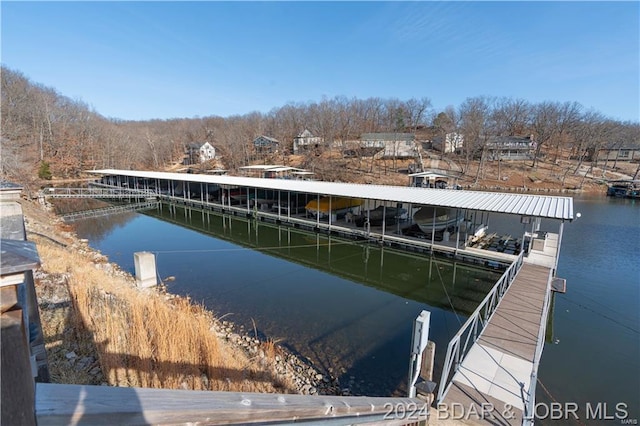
(626, 188)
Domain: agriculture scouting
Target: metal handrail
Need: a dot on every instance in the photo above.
(96, 192)
(529, 404)
(474, 326)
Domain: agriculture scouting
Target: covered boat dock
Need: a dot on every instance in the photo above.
(283, 201)
(494, 357)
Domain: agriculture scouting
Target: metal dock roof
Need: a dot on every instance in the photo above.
(545, 206)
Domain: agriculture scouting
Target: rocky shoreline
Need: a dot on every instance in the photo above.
(307, 379)
(73, 361)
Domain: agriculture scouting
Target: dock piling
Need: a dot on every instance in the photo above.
(145, 264)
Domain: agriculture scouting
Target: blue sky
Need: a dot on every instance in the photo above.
(143, 60)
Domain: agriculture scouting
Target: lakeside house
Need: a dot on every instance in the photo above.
(617, 151)
(266, 144)
(390, 145)
(198, 152)
(449, 143)
(510, 147)
(496, 147)
(306, 141)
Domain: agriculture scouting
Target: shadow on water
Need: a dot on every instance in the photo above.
(347, 306)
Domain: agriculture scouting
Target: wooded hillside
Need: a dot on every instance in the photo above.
(45, 134)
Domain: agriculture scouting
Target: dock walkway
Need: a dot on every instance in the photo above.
(498, 367)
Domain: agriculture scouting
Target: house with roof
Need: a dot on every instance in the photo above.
(449, 143)
(199, 152)
(266, 144)
(390, 145)
(306, 141)
(616, 151)
(510, 147)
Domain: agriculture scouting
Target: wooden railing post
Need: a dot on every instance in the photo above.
(17, 384)
(23, 358)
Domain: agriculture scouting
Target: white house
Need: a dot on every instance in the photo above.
(306, 140)
(392, 145)
(199, 152)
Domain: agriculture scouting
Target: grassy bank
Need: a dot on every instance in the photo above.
(92, 311)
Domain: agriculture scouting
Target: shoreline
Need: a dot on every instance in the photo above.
(73, 358)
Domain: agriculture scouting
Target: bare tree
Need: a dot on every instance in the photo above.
(511, 116)
(588, 135)
(417, 111)
(40, 125)
(446, 122)
(477, 126)
(324, 120)
(13, 165)
(550, 122)
(545, 117)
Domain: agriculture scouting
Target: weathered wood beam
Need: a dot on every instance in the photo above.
(101, 405)
(16, 380)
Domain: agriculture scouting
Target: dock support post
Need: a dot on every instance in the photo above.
(145, 265)
(555, 266)
(433, 229)
(419, 339)
(457, 232)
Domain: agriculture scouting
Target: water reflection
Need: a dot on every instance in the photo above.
(438, 282)
(93, 229)
(315, 300)
(347, 306)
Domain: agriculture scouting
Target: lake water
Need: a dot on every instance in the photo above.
(597, 322)
(348, 307)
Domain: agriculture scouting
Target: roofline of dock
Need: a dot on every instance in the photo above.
(544, 206)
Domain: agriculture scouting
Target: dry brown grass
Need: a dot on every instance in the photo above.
(269, 348)
(145, 339)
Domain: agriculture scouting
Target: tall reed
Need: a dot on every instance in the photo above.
(144, 338)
